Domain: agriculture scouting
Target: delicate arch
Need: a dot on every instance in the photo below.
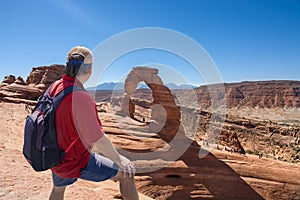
(162, 96)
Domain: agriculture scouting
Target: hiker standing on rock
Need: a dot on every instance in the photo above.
(79, 129)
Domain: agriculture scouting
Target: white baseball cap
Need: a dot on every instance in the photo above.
(85, 52)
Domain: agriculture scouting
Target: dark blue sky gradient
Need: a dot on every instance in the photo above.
(248, 40)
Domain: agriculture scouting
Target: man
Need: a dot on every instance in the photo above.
(79, 129)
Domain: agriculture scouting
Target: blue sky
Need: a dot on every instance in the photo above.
(247, 40)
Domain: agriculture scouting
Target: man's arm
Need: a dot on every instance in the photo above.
(92, 134)
(105, 146)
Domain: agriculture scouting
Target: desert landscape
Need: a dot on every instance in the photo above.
(256, 156)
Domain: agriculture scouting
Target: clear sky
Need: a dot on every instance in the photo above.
(247, 40)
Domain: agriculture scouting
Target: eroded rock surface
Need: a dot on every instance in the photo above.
(17, 90)
(42, 77)
(262, 94)
(218, 175)
(9, 79)
(165, 112)
(188, 176)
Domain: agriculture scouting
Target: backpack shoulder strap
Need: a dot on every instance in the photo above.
(58, 98)
(48, 90)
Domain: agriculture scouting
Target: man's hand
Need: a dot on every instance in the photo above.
(105, 146)
(126, 166)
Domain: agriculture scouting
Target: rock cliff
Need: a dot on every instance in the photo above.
(17, 90)
(42, 77)
(263, 94)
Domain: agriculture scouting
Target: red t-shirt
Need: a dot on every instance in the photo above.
(76, 117)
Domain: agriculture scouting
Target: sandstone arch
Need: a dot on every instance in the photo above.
(165, 111)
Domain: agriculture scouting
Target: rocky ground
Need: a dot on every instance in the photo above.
(19, 181)
(218, 175)
(256, 154)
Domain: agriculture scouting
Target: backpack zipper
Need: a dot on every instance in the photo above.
(43, 156)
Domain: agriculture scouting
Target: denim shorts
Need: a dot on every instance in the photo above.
(98, 169)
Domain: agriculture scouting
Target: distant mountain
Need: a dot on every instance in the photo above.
(120, 86)
(108, 86)
(173, 86)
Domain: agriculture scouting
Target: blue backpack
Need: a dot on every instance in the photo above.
(40, 142)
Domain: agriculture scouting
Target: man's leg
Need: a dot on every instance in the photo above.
(127, 186)
(101, 168)
(57, 193)
(59, 186)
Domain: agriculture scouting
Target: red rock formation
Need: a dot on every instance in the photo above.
(17, 90)
(9, 79)
(254, 136)
(165, 112)
(264, 94)
(20, 81)
(42, 77)
(269, 93)
(228, 176)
